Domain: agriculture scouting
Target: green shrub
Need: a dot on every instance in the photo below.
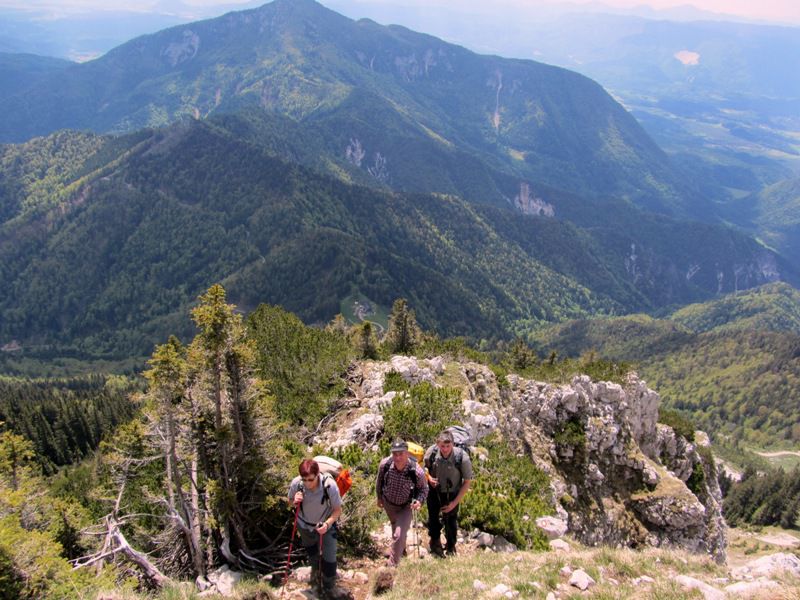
(679, 423)
(421, 412)
(508, 494)
(394, 382)
(571, 434)
(697, 480)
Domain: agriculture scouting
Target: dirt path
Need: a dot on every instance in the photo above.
(780, 453)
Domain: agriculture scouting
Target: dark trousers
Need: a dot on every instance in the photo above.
(310, 541)
(435, 502)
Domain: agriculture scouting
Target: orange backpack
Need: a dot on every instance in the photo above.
(331, 466)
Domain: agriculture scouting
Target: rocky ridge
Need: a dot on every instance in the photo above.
(618, 477)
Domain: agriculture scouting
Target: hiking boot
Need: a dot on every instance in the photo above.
(336, 592)
(332, 591)
(436, 549)
(450, 551)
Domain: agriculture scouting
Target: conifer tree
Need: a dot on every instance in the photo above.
(365, 342)
(403, 333)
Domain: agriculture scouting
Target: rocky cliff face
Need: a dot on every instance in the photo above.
(618, 477)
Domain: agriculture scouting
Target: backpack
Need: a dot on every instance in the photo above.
(334, 469)
(460, 437)
(410, 472)
(460, 441)
(415, 451)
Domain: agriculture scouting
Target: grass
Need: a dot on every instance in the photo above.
(534, 575)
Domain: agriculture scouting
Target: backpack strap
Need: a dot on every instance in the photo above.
(326, 498)
(410, 471)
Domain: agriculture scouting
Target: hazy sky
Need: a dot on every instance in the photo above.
(785, 11)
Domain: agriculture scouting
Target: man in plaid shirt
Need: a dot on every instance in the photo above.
(401, 488)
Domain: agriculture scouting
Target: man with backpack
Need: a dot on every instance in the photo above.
(319, 505)
(401, 488)
(450, 475)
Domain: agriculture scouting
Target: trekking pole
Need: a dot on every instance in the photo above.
(319, 570)
(289, 556)
(416, 533)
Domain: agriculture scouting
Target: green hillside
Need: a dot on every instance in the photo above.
(774, 214)
(773, 307)
(391, 89)
(733, 363)
(103, 259)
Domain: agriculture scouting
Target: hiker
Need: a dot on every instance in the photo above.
(401, 488)
(449, 475)
(319, 507)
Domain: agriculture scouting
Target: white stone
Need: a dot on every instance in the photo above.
(437, 364)
(303, 574)
(552, 527)
(690, 583)
(550, 596)
(360, 577)
(559, 545)
(766, 566)
(643, 579)
(565, 571)
(701, 439)
(746, 589)
(581, 579)
(226, 580)
(376, 404)
(479, 586)
(500, 589)
(501, 544)
(202, 583)
(484, 539)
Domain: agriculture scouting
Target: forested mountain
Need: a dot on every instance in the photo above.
(774, 212)
(20, 71)
(106, 240)
(387, 90)
(733, 363)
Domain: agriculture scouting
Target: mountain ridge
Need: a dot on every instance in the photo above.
(538, 122)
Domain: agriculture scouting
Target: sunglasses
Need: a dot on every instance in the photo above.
(309, 479)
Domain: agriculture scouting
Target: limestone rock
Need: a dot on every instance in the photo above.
(501, 544)
(303, 574)
(690, 583)
(746, 589)
(224, 579)
(559, 545)
(552, 527)
(581, 580)
(767, 566)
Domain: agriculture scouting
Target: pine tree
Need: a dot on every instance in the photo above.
(403, 334)
(365, 342)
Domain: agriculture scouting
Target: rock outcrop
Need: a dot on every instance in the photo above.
(618, 477)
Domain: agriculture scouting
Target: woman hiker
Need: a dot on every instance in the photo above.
(319, 507)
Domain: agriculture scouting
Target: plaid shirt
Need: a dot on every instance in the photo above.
(395, 488)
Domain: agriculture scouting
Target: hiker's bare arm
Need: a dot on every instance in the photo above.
(335, 514)
(326, 525)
